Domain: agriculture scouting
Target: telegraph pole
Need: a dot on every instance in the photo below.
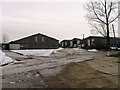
(83, 36)
(114, 34)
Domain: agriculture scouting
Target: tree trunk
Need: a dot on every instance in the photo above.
(108, 37)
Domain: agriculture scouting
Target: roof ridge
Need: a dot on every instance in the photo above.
(33, 35)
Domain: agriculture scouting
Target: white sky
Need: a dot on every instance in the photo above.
(61, 20)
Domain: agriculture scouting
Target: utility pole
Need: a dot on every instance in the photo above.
(119, 19)
(114, 34)
(83, 36)
(113, 30)
(83, 41)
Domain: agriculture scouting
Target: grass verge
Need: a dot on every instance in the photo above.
(115, 55)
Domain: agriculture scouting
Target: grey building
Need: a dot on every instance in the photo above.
(4, 46)
(37, 41)
(65, 43)
(74, 43)
(100, 42)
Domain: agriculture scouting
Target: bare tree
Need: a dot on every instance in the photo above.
(101, 14)
(5, 38)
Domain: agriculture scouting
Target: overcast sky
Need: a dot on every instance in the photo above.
(61, 20)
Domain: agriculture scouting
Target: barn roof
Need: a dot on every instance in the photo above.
(76, 39)
(100, 37)
(34, 35)
(65, 40)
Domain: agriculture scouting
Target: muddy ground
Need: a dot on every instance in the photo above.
(66, 69)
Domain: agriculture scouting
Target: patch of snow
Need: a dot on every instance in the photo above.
(92, 50)
(118, 48)
(49, 66)
(57, 50)
(12, 82)
(40, 52)
(79, 49)
(4, 59)
(108, 53)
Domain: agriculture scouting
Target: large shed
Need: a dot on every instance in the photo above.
(36, 41)
(98, 42)
(65, 43)
(74, 43)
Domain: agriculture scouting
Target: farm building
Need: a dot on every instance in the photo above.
(37, 41)
(100, 42)
(4, 46)
(74, 43)
(65, 44)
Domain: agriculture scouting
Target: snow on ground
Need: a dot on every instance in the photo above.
(39, 52)
(48, 66)
(45, 52)
(92, 50)
(4, 59)
(57, 50)
(42, 52)
(118, 48)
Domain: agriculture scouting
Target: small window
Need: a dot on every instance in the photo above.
(78, 42)
(65, 43)
(71, 43)
(88, 42)
(35, 39)
(92, 40)
(42, 39)
(62, 44)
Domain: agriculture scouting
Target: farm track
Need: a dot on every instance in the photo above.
(64, 70)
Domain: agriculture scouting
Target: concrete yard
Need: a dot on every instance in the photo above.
(68, 68)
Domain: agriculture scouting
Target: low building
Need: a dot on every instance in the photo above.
(5, 46)
(65, 43)
(74, 43)
(97, 42)
(37, 41)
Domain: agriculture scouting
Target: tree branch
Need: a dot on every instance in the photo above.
(114, 18)
(96, 14)
(110, 9)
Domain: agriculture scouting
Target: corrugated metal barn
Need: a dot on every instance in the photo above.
(100, 42)
(37, 41)
(74, 43)
(65, 43)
